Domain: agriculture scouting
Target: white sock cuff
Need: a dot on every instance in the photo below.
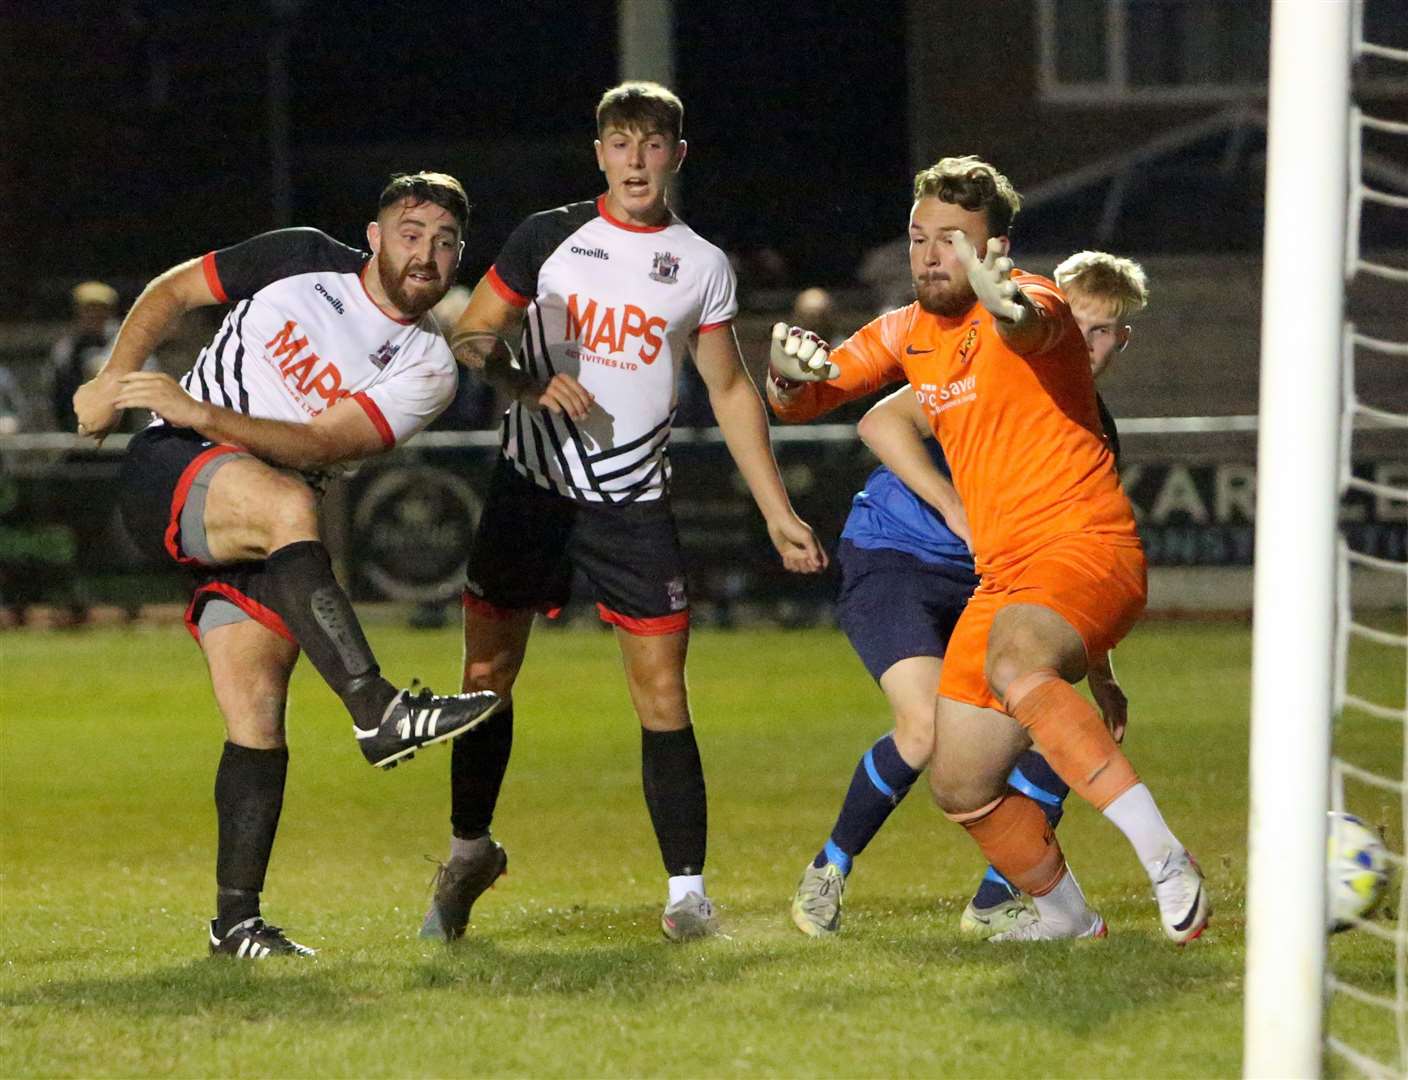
(684, 884)
(1064, 907)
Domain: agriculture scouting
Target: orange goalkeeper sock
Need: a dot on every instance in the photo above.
(1017, 839)
(1072, 737)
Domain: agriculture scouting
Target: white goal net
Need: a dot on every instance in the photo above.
(1367, 981)
(1330, 645)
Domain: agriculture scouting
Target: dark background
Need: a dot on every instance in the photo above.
(135, 134)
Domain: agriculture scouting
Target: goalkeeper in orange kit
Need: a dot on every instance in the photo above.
(1002, 372)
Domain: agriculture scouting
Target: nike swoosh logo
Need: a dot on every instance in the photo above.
(915, 352)
(1188, 919)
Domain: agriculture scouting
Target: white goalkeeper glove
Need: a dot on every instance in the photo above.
(799, 356)
(991, 277)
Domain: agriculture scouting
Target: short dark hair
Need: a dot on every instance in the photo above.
(442, 189)
(973, 184)
(641, 106)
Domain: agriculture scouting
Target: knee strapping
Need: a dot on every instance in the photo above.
(1023, 685)
(970, 817)
(1016, 838)
(1075, 741)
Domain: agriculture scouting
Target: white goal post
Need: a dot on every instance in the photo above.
(1296, 515)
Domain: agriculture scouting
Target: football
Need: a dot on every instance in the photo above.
(1356, 870)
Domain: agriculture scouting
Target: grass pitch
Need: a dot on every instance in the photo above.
(110, 740)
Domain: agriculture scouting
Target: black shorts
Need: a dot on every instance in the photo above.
(161, 496)
(530, 539)
(894, 605)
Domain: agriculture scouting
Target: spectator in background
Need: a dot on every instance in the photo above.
(885, 269)
(13, 407)
(816, 310)
(78, 354)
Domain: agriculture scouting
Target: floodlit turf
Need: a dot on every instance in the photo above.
(110, 739)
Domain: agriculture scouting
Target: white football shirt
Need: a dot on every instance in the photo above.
(304, 333)
(615, 306)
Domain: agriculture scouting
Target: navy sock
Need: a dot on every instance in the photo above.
(478, 761)
(994, 889)
(881, 780)
(1033, 777)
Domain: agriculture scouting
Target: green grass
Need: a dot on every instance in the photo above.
(110, 740)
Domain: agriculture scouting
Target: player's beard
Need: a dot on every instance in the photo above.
(945, 296)
(395, 284)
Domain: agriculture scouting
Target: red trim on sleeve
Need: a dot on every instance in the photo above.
(601, 209)
(710, 327)
(654, 626)
(507, 293)
(374, 414)
(266, 617)
(178, 500)
(212, 277)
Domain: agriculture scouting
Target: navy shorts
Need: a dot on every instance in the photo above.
(161, 495)
(530, 540)
(894, 605)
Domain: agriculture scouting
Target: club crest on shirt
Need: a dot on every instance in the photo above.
(383, 355)
(966, 345)
(674, 589)
(666, 269)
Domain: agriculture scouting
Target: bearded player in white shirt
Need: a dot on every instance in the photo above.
(326, 356)
(610, 296)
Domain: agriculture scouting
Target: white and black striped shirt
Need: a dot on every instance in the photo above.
(303, 334)
(615, 306)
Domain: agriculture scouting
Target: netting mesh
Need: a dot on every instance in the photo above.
(1367, 975)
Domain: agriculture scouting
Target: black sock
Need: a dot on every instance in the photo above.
(232, 907)
(478, 761)
(673, 778)
(308, 598)
(249, 794)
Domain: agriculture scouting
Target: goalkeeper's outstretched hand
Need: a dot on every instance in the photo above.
(990, 276)
(798, 355)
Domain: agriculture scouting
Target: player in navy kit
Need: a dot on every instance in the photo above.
(327, 355)
(907, 573)
(611, 295)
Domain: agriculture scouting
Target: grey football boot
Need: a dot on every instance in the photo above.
(816, 905)
(458, 884)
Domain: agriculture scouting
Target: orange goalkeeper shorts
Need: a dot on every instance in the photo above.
(1097, 587)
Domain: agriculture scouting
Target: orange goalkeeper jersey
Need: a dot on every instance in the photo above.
(1021, 434)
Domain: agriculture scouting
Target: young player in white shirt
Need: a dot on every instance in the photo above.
(610, 295)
